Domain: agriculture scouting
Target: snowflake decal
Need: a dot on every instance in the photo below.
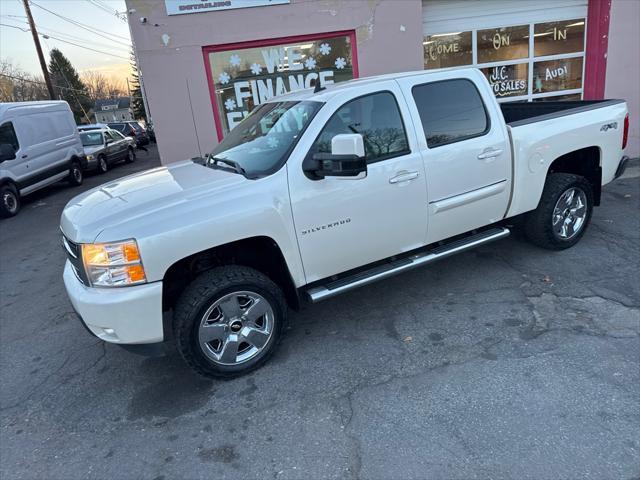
(272, 142)
(325, 49)
(310, 63)
(230, 104)
(256, 69)
(234, 60)
(340, 63)
(224, 78)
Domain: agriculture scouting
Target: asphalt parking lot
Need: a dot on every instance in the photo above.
(505, 362)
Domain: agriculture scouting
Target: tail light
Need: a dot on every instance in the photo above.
(625, 132)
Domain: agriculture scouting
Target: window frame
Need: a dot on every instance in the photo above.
(382, 158)
(488, 126)
(15, 135)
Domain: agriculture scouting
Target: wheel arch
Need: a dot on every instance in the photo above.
(261, 253)
(585, 162)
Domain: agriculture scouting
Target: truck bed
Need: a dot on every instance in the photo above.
(522, 113)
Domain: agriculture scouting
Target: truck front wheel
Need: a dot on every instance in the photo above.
(229, 321)
(563, 213)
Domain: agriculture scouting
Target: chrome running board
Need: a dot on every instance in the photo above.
(341, 285)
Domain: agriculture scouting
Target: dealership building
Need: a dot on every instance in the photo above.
(207, 63)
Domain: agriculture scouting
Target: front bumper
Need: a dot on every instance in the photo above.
(125, 315)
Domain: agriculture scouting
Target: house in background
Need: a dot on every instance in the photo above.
(113, 110)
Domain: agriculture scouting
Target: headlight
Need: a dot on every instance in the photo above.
(116, 264)
(89, 157)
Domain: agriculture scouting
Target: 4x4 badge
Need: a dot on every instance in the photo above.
(608, 126)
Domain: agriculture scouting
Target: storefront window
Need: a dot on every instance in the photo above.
(554, 38)
(508, 80)
(443, 50)
(244, 78)
(555, 75)
(509, 56)
(500, 44)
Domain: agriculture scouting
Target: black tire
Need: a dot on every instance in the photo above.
(76, 175)
(201, 294)
(538, 224)
(131, 156)
(9, 201)
(103, 165)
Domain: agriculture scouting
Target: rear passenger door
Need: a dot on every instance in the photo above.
(465, 150)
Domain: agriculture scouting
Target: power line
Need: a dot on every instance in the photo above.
(93, 30)
(20, 79)
(46, 36)
(48, 30)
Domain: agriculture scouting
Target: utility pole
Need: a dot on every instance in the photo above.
(36, 40)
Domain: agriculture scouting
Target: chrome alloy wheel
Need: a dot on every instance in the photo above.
(236, 328)
(10, 202)
(570, 213)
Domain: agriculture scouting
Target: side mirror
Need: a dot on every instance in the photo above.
(7, 152)
(107, 141)
(345, 160)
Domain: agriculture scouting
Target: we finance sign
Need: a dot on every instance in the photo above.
(242, 78)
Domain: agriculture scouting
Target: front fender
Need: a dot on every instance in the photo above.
(254, 209)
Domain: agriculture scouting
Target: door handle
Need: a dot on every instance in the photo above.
(404, 176)
(24, 156)
(490, 154)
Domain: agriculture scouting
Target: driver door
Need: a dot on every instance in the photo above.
(347, 222)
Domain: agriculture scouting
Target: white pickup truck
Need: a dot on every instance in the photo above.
(321, 191)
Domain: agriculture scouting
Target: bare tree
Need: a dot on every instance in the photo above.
(16, 85)
(99, 86)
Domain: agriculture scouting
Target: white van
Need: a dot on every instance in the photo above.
(39, 145)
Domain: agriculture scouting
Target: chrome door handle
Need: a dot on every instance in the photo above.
(490, 154)
(404, 176)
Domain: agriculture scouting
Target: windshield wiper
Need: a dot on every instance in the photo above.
(233, 164)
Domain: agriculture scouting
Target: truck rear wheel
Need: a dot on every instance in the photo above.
(229, 321)
(563, 213)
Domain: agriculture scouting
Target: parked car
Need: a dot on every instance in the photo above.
(317, 193)
(39, 145)
(92, 126)
(133, 130)
(105, 147)
(151, 132)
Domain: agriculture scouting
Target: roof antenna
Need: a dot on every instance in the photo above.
(318, 87)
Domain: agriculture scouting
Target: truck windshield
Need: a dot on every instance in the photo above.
(91, 138)
(261, 143)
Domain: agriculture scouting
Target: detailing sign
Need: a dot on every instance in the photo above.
(179, 7)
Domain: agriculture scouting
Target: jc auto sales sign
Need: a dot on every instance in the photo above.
(179, 7)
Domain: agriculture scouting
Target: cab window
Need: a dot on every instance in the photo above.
(8, 135)
(450, 111)
(377, 118)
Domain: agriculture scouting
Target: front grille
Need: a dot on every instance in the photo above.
(74, 254)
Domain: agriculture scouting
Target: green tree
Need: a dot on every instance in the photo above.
(69, 87)
(137, 100)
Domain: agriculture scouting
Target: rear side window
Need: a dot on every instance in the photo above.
(121, 127)
(450, 111)
(377, 118)
(8, 135)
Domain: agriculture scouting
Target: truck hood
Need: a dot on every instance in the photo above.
(130, 199)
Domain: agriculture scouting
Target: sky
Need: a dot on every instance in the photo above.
(112, 42)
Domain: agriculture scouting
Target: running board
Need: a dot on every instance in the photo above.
(374, 274)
